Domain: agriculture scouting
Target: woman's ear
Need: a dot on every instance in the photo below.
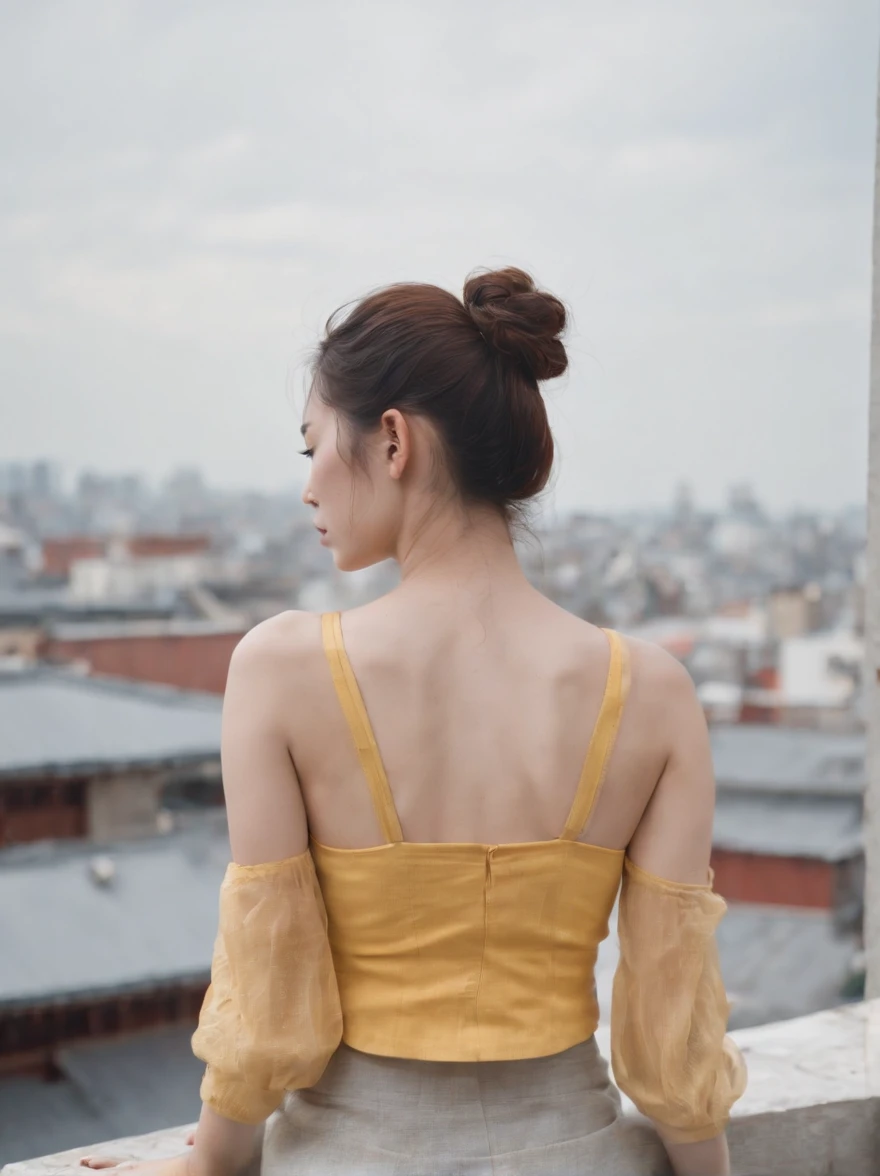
(396, 441)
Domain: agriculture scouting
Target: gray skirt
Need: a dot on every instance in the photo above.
(554, 1116)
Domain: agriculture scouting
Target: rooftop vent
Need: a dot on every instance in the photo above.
(102, 870)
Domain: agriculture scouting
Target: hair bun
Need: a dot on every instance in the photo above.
(519, 320)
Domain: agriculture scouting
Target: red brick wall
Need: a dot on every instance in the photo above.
(751, 713)
(150, 546)
(35, 810)
(30, 1036)
(191, 661)
(786, 881)
(761, 710)
(767, 678)
(59, 554)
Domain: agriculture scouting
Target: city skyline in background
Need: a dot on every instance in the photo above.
(195, 191)
(21, 481)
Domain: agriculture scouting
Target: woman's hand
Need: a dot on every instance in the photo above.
(224, 1149)
(177, 1166)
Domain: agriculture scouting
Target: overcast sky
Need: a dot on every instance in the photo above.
(189, 188)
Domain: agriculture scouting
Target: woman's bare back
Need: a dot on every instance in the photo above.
(482, 717)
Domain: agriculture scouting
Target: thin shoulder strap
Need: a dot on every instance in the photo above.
(603, 737)
(352, 703)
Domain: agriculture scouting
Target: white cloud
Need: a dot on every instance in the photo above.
(23, 227)
(18, 323)
(282, 224)
(841, 306)
(677, 160)
(187, 297)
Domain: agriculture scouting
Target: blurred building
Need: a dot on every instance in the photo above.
(788, 818)
(83, 757)
(186, 653)
(106, 959)
(60, 554)
(13, 557)
(795, 611)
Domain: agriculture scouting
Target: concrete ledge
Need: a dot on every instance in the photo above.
(812, 1107)
(813, 1101)
(160, 1145)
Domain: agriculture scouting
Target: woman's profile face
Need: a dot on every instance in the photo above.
(352, 507)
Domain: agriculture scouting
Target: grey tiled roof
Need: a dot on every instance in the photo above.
(780, 963)
(788, 759)
(58, 722)
(143, 1082)
(66, 935)
(111, 1089)
(827, 828)
(149, 627)
(37, 605)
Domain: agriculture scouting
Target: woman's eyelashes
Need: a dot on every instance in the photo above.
(307, 453)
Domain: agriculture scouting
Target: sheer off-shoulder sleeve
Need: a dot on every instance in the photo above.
(669, 1009)
(271, 1017)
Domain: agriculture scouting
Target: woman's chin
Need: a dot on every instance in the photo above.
(354, 561)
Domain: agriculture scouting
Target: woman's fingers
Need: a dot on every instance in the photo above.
(95, 1162)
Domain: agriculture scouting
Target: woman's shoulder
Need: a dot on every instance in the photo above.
(657, 668)
(278, 643)
(659, 674)
(662, 700)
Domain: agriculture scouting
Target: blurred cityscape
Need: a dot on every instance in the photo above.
(120, 605)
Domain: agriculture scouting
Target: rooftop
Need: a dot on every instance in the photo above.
(788, 759)
(55, 722)
(107, 630)
(68, 935)
(107, 1089)
(823, 827)
(36, 604)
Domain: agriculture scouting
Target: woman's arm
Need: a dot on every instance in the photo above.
(265, 812)
(267, 823)
(673, 842)
(267, 818)
(674, 836)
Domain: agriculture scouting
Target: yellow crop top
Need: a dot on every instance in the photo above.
(466, 952)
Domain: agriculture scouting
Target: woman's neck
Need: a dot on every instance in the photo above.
(460, 551)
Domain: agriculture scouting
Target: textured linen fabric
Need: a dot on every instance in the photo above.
(377, 1116)
(468, 952)
(271, 1017)
(669, 1009)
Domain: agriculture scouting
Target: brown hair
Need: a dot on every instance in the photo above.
(471, 367)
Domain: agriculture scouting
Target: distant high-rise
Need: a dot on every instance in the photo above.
(32, 480)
